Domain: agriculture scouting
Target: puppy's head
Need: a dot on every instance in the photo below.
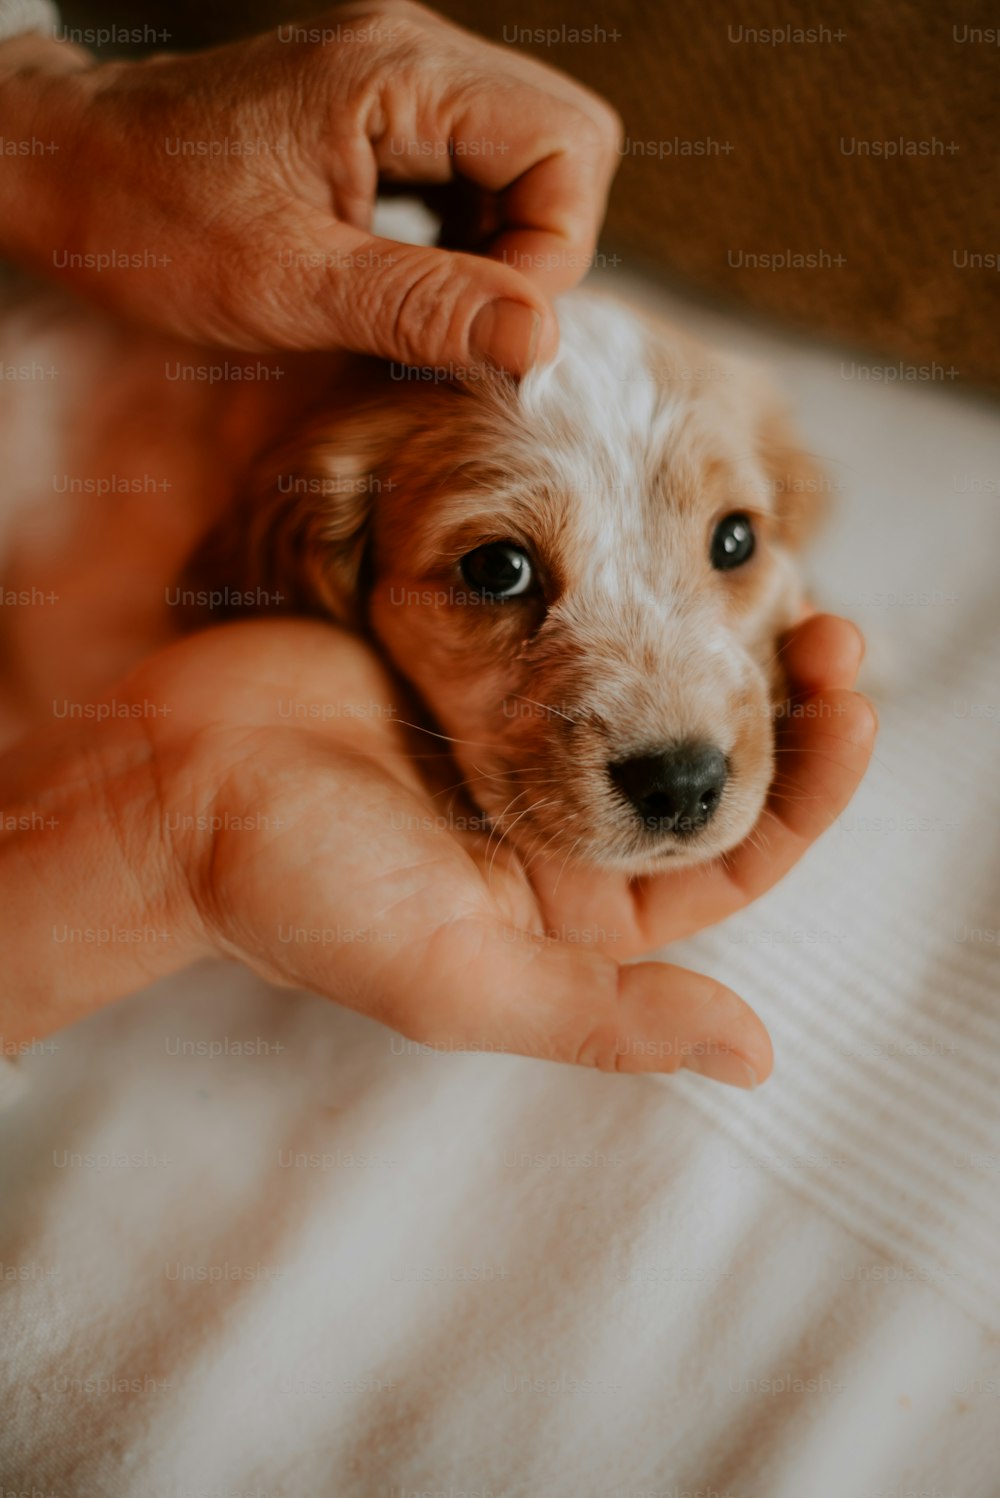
(585, 577)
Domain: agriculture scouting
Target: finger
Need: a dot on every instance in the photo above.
(546, 147)
(823, 751)
(550, 188)
(426, 307)
(478, 984)
(822, 653)
(551, 218)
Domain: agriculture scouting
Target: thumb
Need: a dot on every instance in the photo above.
(478, 984)
(427, 306)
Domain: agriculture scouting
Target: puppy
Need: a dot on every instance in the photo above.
(584, 575)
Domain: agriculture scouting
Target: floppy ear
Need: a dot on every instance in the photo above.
(295, 540)
(800, 487)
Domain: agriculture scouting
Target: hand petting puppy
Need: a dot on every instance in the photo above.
(236, 186)
(234, 206)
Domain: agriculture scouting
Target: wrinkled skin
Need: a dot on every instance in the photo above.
(247, 188)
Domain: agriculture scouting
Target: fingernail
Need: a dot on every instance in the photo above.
(723, 1066)
(505, 334)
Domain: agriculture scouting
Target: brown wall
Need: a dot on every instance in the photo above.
(781, 122)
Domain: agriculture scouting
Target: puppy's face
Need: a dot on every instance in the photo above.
(585, 578)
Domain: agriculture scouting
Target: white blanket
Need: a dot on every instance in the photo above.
(252, 1245)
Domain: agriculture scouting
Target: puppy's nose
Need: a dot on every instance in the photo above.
(673, 790)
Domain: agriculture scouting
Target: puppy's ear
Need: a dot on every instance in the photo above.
(295, 541)
(800, 487)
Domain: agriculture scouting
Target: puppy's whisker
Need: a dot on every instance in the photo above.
(815, 753)
(446, 737)
(468, 782)
(497, 822)
(756, 839)
(537, 852)
(787, 790)
(545, 706)
(535, 806)
(513, 774)
(565, 861)
(777, 654)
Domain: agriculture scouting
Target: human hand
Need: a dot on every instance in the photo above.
(285, 813)
(234, 188)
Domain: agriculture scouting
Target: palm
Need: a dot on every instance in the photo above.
(334, 862)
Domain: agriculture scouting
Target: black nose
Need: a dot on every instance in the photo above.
(673, 790)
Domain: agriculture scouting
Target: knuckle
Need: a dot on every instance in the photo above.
(423, 323)
(603, 131)
(401, 13)
(613, 127)
(421, 991)
(599, 1049)
(416, 1027)
(435, 1026)
(712, 997)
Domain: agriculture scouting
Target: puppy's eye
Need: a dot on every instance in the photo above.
(733, 542)
(498, 570)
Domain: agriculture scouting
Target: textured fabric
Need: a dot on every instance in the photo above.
(252, 1244)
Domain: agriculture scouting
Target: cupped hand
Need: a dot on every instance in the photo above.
(227, 196)
(306, 818)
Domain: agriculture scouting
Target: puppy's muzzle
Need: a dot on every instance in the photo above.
(675, 789)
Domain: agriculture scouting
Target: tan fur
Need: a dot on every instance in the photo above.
(611, 468)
